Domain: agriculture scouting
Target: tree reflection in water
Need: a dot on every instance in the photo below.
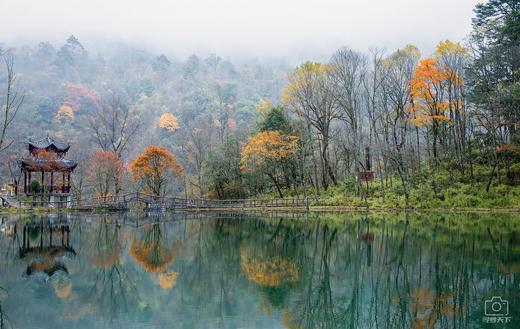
(153, 251)
(4, 319)
(113, 292)
(331, 271)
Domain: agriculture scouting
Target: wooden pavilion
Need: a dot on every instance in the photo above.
(46, 164)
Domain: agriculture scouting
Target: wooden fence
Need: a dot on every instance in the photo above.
(151, 202)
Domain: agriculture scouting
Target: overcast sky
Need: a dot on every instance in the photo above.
(262, 28)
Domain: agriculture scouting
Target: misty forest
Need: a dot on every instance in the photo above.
(260, 164)
(381, 128)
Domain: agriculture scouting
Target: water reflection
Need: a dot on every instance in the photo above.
(45, 247)
(112, 291)
(325, 271)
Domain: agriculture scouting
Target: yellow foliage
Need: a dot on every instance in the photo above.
(303, 79)
(290, 321)
(167, 279)
(264, 107)
(447, 47)
(62, 287)
(411, 50)
(267, 145)
(168, 122)
(65, 112)
(272, 273)
(408, 52)
(426, 307)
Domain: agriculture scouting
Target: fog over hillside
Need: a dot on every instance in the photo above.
(298, 30)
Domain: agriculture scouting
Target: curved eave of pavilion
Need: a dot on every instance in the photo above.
(50, 252)
(47, 165)
(48, 144)
(49, 268)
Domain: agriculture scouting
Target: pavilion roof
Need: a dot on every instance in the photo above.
(47, 143)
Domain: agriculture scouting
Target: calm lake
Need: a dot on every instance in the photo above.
(316, 270)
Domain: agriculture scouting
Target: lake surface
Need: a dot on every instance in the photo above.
(327, 270)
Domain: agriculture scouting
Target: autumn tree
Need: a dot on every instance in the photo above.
(154, 168)
(104, 174)
(79, 97)
(266, 153)
(168, 122)
(430, 105)
(64, 113)
(309, 94)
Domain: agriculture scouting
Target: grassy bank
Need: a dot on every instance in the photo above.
(426, 191)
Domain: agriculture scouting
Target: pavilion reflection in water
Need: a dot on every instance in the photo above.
(46, 246)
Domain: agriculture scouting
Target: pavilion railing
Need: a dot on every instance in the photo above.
(47, 189)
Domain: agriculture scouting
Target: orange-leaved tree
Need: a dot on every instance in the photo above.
(429, 105)
(266, 153)
(153, 251)
(154, 167)
(105, 173)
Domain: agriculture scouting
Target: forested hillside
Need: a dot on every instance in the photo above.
(436, 130)
(73, 94)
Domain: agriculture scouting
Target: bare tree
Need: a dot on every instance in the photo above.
(348, 73)
(197, 145)
(11, 101)
(114, 125)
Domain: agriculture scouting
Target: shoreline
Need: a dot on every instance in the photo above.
(14, 211)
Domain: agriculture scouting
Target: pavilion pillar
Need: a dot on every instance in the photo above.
(43, 182)
(68, 182)
(52, 181)
(29, 189)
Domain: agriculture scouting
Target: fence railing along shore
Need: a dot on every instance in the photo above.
(147, 201)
